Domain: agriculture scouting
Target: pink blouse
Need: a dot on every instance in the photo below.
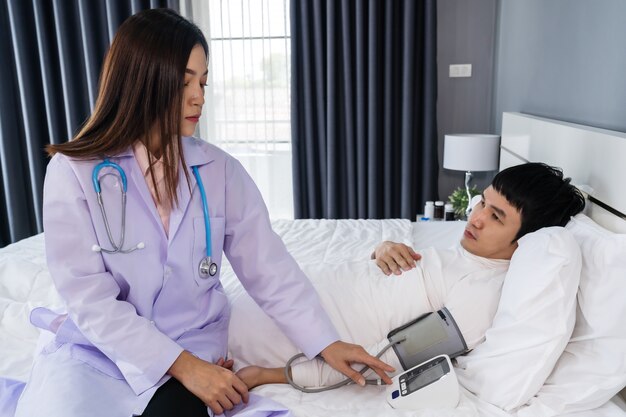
(143, 158)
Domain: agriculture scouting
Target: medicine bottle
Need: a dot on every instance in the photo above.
(449, 212)
(438, 210)
(429, 210)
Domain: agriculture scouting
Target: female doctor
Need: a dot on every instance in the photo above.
(136, 216)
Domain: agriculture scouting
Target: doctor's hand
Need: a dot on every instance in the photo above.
(392, 257)
(217, 386)
(341, 355)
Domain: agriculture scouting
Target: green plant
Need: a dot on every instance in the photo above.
(459, 201)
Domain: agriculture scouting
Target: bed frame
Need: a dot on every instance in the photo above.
(594, 158)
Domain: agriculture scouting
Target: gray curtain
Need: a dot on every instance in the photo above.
(364, 90)
(51, 52)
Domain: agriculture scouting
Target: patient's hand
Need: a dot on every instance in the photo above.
(216, 386)
(225, 363)
(392, 257)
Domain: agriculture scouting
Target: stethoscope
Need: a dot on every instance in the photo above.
(206, 268)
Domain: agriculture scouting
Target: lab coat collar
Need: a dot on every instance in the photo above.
(127, 152)
(195, 155)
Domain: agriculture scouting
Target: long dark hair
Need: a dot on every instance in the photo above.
(141, 93)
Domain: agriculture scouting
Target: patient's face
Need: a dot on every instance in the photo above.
(491, 227)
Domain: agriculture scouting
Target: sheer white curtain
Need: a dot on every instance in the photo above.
(247, 111)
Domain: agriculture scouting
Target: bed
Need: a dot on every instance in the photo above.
(25, 281)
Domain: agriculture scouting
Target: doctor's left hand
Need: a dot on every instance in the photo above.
(341, 355)
(218, 387)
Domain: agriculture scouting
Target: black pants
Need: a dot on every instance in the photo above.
(172, 399)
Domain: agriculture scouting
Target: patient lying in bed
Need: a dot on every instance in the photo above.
(467, 279)
(443, 278)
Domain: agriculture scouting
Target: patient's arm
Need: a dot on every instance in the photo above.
(253, 376)
(312, 373)
(392, 257)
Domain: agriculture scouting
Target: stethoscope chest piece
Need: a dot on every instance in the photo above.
(207, 268)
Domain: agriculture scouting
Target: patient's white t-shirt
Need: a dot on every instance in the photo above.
(467, 285)
(365, 305)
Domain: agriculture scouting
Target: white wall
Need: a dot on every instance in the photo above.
(563, 59)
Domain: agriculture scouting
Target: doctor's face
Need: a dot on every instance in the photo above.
(492, 227)
(193, 95)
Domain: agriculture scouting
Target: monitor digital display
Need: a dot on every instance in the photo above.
(423, 376)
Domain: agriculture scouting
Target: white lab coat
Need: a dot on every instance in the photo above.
(131, 315)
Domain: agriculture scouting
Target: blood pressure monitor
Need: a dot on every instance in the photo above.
(424, 347)
(427, 336)
(431, 384)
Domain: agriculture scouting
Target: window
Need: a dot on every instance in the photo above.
(247, 110)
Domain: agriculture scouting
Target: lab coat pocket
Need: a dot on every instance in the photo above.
(200, 249)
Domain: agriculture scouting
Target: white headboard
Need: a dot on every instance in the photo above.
(592, 157)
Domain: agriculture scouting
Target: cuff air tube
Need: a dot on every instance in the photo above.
(427, 336)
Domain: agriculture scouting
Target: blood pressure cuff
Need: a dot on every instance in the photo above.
(427, 336)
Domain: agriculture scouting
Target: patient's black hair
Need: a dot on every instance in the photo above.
(541, 195)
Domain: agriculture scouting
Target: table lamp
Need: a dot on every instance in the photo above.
(471, 152)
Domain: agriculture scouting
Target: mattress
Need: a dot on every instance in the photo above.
(25, 283)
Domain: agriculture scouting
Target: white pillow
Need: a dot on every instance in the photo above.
(592, 368)
(533, 323)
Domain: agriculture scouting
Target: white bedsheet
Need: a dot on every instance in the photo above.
(25, 283)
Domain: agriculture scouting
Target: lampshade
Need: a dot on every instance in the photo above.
(471, 152)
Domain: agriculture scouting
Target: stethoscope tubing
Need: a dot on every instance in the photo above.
(104, 164)
(117, 247)
(205, 211)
